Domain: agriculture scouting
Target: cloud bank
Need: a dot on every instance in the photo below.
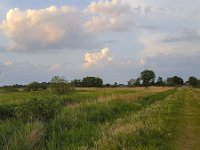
(65, 27)
(50, 28)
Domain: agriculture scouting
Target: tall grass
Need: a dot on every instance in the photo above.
(151, 128)
(85, 124)
(81, 126)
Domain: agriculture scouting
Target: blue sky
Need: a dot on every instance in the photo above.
(112, 39)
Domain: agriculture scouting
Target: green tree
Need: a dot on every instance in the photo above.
(160, 81)
(59, 86)
(147, 77)
(92, 82)
(131, 82)
(57, 79)
(193, 81)
(35, 86)
(134, 82)
(174, 81)
(76, 82)
(62, 88)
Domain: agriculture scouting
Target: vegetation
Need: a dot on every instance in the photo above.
(78, 124)
(193, 81)
(147, 77)
(160, 81)
(61, 88)
(92, 82)
(9, 89)
(174, 81)
(57, 79)
(35, 86)
(56, 115)
(105, 118)
(77, 83)
(39, 108)
(134, 82)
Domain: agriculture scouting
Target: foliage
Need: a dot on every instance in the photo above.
(35, 86)
(62, 88)
(174, 81)
(57, 79)
(148, 77)
(39, 108)
(77, 83)
(109, 118)
(149, 128)
(92, 82)
(160, 82)
(193, 81)
(22, 136)
(7, 112)
(134, 82)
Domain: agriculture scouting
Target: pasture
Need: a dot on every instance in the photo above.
(154, 118)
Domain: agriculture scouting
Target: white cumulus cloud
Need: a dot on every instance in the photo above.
(65, 27)
(50, 28)
(110, 16)
(97, 58)
(104, 59)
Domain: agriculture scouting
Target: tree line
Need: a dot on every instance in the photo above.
(146, 78)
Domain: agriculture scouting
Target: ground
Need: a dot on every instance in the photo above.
(154, 118)
(188, 137)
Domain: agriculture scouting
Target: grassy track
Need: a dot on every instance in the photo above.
(150, 128)
(188, 137)
(171, 124)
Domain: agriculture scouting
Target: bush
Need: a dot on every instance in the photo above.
(39, 109)
(62, 88)
(35, 86)
(7, 112)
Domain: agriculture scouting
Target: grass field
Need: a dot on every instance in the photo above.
(153, 118)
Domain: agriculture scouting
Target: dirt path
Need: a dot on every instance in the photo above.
(188, 137)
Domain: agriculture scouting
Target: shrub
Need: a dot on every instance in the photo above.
(7, 112)
(39, 109)
(35, 86)
(62, 88)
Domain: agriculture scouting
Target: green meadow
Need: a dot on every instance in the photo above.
(154, 118)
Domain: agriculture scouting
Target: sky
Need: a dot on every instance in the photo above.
(111, 39)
